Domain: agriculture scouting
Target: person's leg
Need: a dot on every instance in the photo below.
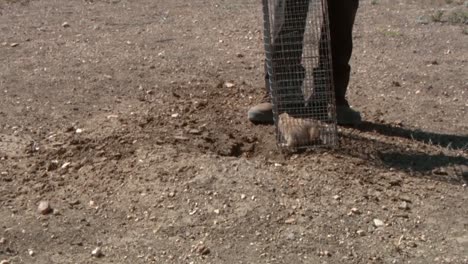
(288, 27)
(340, 22)
(342, 15)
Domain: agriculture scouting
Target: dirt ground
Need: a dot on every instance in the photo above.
(116, 112)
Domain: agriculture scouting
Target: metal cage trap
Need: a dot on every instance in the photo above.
(299, 72)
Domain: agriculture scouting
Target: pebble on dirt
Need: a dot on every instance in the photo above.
(378, 223)
(44, 208)
(14, 45)
(2, 240)
(404, 206)
(361, 232)
(4, 262)
(97, 252)
(202, 250)
(65, 24)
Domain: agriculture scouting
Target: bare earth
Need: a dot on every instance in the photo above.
(117, 112)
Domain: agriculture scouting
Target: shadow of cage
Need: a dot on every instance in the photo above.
(299, 72)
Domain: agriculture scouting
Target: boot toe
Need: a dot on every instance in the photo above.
(261, 113)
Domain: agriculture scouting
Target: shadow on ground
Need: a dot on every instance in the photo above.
(405, 156)
(458, 142)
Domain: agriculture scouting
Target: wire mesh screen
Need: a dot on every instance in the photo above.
(298, 65)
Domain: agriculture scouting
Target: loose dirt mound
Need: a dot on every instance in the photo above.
(118, 114)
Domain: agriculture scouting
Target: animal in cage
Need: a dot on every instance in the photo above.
(297, 132)
(298, 65)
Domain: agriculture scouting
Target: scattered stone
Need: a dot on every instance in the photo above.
(74, 202)
(171, 194)
(44, 208)
(65, 165)
(378, 223)
(290, 221)
(14, 45)
(5, 262)
(325, 253)
(404, 206)
(243, 196)
(361, 232)
(216, 211)
(405, 198)
(181, 138)
(97, 252)
(175, 115)
(229, 84)
(336, 197)
(203, 250)
(65, 24)
(31, 252)
(290, 236)
(2, 240)
(194, 131)
(355, 211)
(79, 131)
(401, 215)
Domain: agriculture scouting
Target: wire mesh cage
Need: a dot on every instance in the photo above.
(299, 72)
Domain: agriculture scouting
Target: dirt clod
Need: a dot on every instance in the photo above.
(97, 253)
(203, 250)
(44, 208)
(378, 223)
(404, 206)
(361, 232)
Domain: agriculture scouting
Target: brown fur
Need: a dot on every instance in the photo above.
(298, 132)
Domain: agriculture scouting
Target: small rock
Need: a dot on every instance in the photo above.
(202, 250)
(405, 198)
(404, 206)
(74, 202)
(175, 115)
(336, 197)
(171, 194)
(31, 252)
(216, 211)
(355, 211)
(14, 45)
(440, 171)
(290, 221)
(378, 223)
(65, 24)
(229, 84)
(44, 208)
(195, 132)
(243, 196)
(79, 131)
(290, 236)
(97, 252)
(65, 165)
(361, 232)
(5, 262)
(2, 240)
